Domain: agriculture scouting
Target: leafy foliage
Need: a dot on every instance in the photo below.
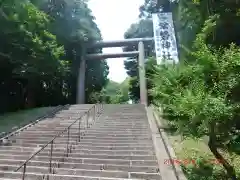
(116, 93)
(198, 96)
(42, 42)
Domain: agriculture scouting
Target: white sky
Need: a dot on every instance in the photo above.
(113, 18)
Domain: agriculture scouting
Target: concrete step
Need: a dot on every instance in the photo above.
(120, 129)
(82, 151)
(92, 147)
(114, 135)
(35, 143)
(72, 171)
(38, 144)
(87, 137)
(132, 141)
(90, 135)
(33, 147)
(123, 126)
(34, 176)
(117, 143)
(39, 141)
(112, 132)
(121, 121)
(17, 163)
(44, 134)
(83, 141)
(112, 161)
(85, 159)
(81, 155)
(56, 127)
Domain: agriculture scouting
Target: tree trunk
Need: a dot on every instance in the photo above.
(30, 95)
(212, 146)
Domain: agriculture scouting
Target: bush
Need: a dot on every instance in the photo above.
(199, 97)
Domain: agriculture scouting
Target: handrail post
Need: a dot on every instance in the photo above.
(87, 119)
(24, 171)
(94, 118)
(68, 129)
(50, 161)
(96, 109)
(79, 129)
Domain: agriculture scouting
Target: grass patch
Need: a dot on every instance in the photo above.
(14, 120)
(205, 167)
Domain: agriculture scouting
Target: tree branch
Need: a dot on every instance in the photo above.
(212, 146)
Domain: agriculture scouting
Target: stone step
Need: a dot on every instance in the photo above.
(33, 149)
(70, 171)
(55, 126)
(86, 160)
(82, 151)
(132, 141)
(119, 132)
(120, 129)
(107, 134)
(83, 141)
(43, 134)
(105, 156)
(117, 144)
(149, 169)
(112, 161)
(60, 126)
(81, 155)
(92, 147)
(117, 138)
(87, 137)
(92, 135)
(123, 126)
(86, 133)
(34, 176)
(33, 143)
(123, 121)
(117, 128)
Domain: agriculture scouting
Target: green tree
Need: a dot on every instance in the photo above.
(74, 26)
(41, 47)
(116, 93)
(198, 97)
(29, 53)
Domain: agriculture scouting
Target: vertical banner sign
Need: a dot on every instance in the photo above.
(164, 36)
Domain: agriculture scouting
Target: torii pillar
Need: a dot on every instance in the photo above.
(81, 81)
(142, 77)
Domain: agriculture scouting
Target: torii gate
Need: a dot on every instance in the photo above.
(106, 44)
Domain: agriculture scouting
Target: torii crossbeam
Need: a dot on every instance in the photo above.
(120, 43)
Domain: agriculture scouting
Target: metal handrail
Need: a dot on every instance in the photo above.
(67, 129)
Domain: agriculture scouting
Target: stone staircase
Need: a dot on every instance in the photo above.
(117, 145)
